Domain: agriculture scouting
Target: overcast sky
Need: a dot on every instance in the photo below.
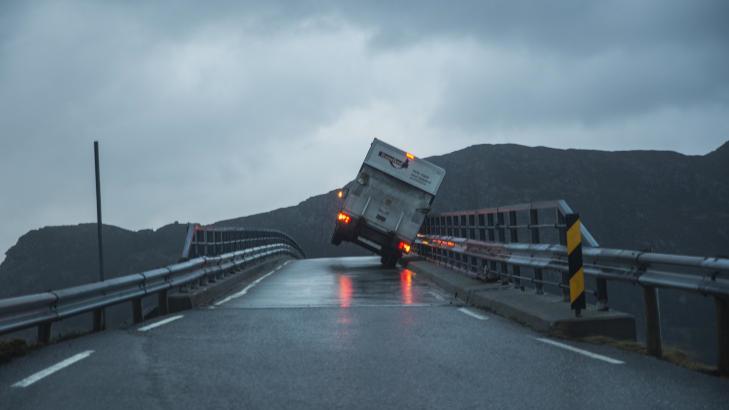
(210, 112)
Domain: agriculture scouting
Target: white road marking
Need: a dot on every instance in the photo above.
(580, 351)
(473, 314)
(246, 289)
(50, 370)
(160, 323)
(436, 295)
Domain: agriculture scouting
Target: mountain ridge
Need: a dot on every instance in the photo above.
(590, 180)
(56, 257)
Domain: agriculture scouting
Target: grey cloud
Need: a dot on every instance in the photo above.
(609, 87)
(566, 26)
(584, 62)
(210, 112)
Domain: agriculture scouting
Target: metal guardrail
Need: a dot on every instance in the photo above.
(223, 257)
(476, 242)
(214, 240)
(538, 222)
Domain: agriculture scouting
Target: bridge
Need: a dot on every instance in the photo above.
(477, 317)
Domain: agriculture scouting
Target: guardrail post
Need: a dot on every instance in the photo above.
(500, 230)
(98, 320)
(722, 330)
(534, 229)
(574, 262)
(163, 307)
(490, 227)
(137, 310)
(514, 237)
(563, 241)
(652, 322)
(602, 296)
(44, 333)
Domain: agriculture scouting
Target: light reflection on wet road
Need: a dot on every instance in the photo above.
(342, 282)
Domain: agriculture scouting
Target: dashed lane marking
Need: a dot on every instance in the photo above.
(160, 323)
(246, 289)
(580, 351)
(473, 314)
(436, 295)
(50, 370)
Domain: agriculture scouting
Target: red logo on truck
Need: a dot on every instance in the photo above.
(396, 163)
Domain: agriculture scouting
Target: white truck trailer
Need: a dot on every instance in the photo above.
(383, 208)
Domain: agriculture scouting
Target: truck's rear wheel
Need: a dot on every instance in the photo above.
(389, 261)
(336, 239)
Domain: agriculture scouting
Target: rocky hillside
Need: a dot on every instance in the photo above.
(62, 256)
(310, 223)
(657, 200)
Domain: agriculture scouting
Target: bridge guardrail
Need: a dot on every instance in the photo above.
(42, 309)
(540, 222)
(476, 242)
(213, 240)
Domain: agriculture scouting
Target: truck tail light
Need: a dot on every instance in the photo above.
(340, 194)
(404, 246)
(344, 218)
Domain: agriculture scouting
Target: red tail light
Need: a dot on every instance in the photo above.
(344, 218)
(404, 246)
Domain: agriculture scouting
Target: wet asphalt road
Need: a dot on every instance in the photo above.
(344, 333)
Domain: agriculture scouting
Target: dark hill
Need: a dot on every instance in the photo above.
(634, 199)
(311, 223)
(62, 256)
(657, 200)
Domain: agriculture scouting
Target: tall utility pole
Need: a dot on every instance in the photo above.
(98, 210)
(98, 313)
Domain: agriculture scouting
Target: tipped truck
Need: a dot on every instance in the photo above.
(383, 208)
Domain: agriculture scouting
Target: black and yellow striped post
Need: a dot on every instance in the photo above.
(574, 257)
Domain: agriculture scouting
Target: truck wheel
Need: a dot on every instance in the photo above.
(389, 261)
(336, 240)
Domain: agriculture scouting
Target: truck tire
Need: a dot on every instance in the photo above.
(336, 240)
(389, 261)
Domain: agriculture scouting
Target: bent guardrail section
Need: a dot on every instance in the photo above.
(42, 309)
(485, 243)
